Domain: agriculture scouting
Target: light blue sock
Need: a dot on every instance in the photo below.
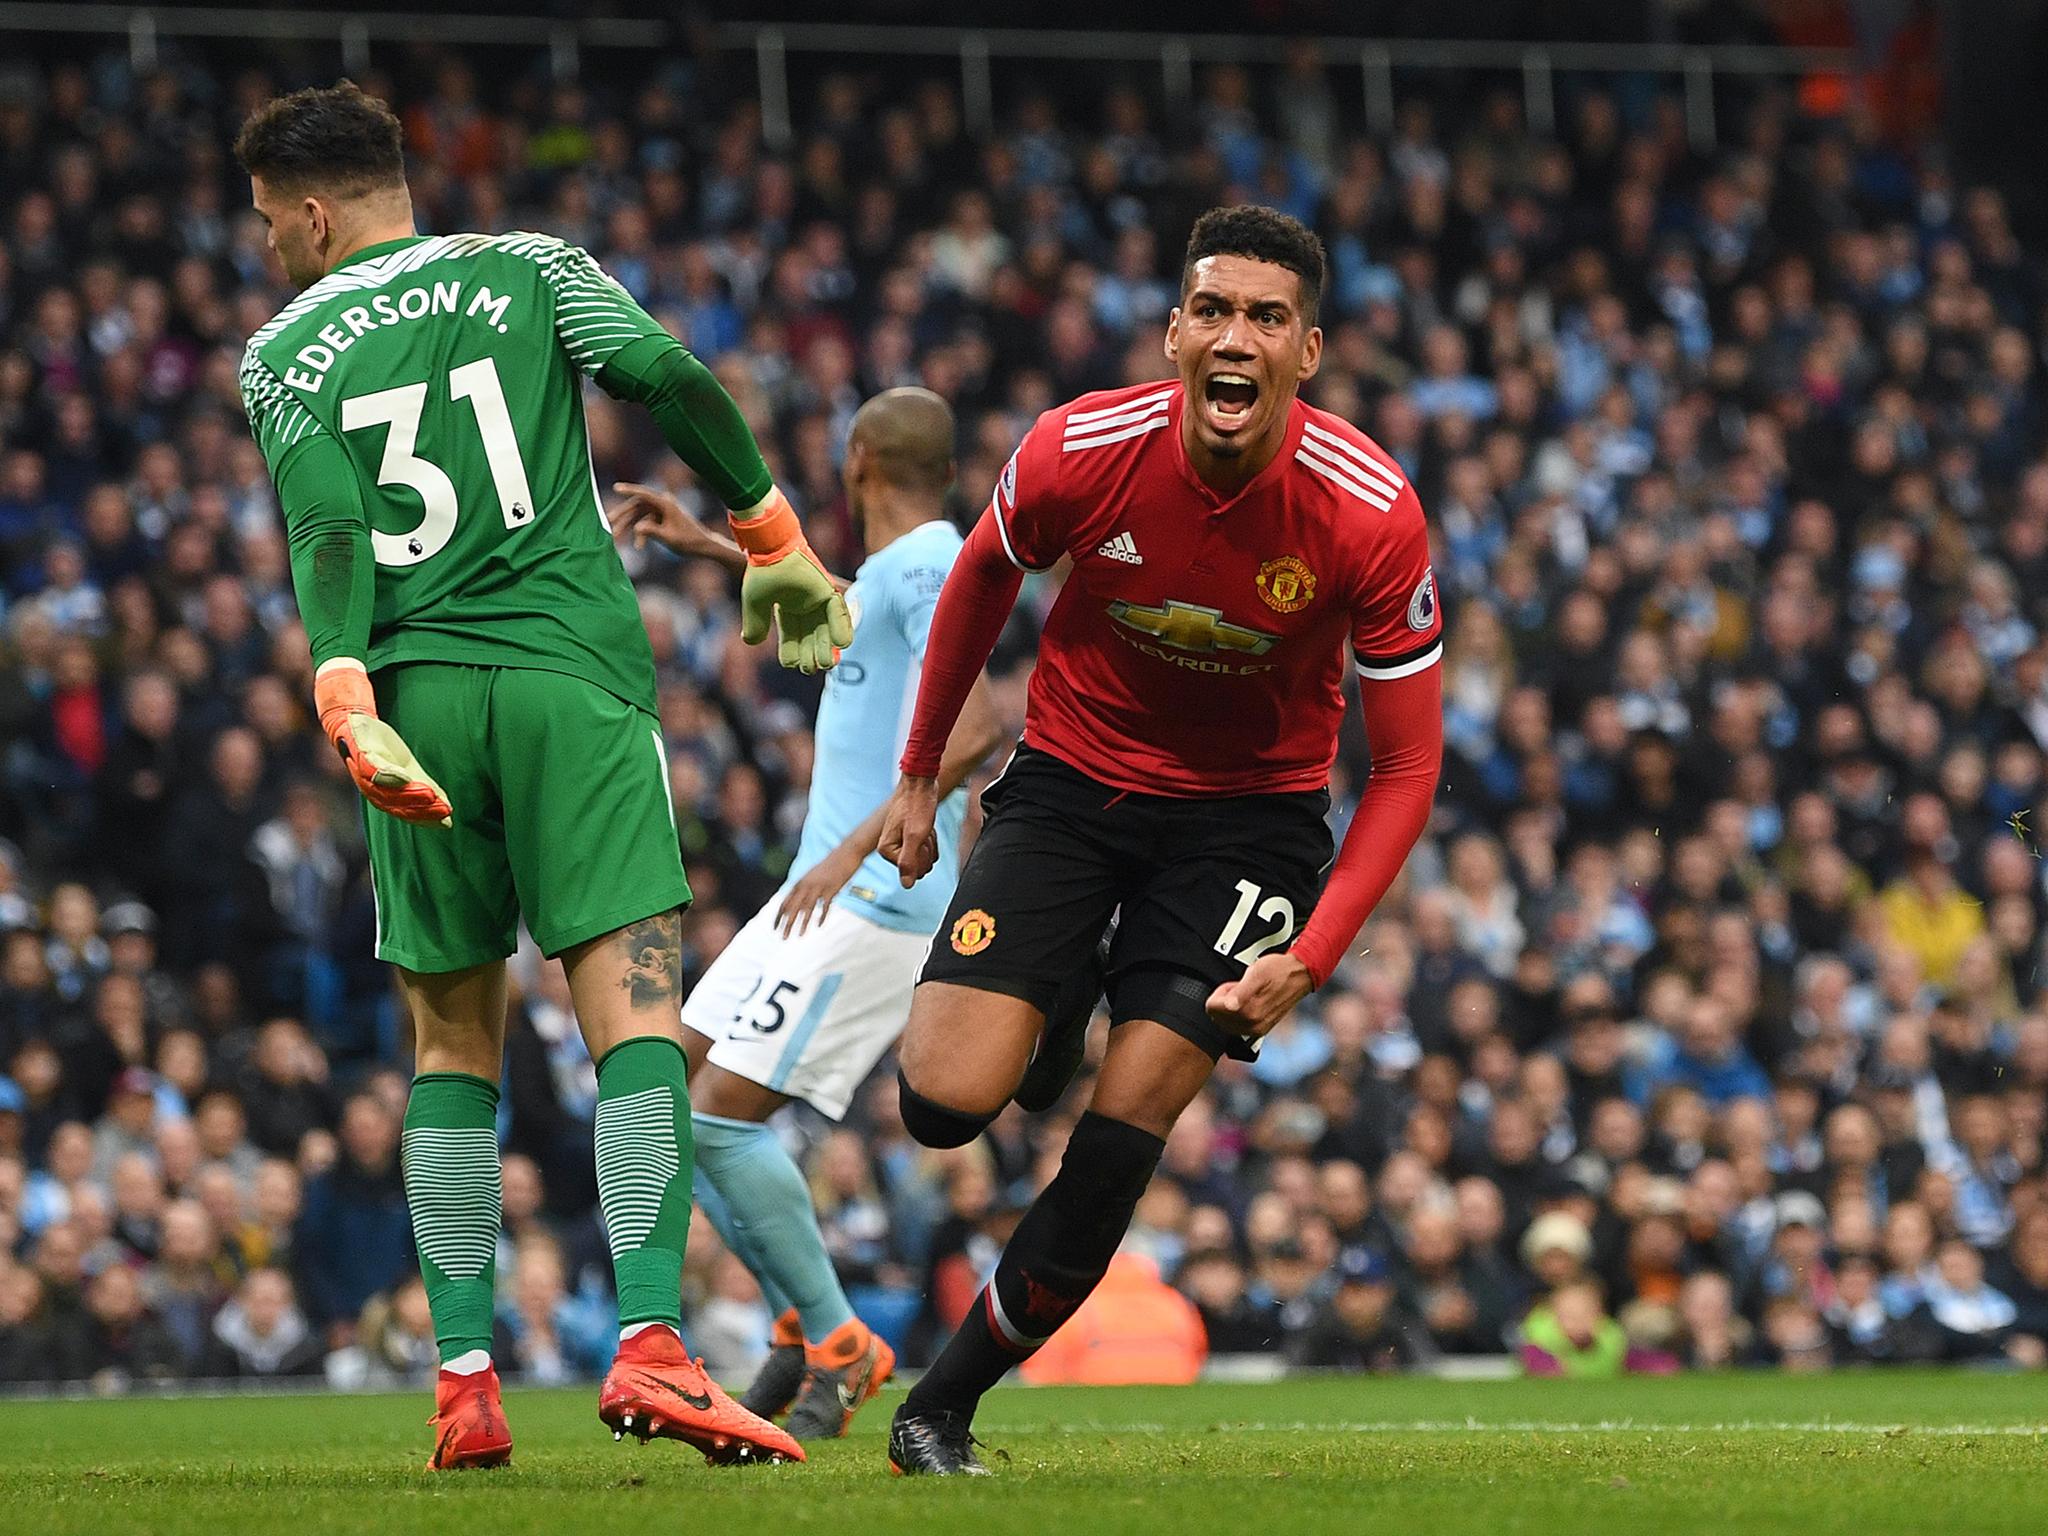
(719, 1214)
(770, 1208)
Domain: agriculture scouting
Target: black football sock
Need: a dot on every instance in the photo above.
(1059, 1251)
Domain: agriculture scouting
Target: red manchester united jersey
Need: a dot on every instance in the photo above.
(1199, 645)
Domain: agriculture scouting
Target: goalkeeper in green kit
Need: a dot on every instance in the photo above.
(481, 667)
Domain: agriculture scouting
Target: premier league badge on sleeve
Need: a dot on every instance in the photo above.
(1422, 606)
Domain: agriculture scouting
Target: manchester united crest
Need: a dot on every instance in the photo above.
(1286, 584)
(974, 932)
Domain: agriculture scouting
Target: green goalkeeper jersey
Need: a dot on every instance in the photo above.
(447, 368)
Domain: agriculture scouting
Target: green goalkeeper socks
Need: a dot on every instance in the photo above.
(454, 1188)
(643, 1174)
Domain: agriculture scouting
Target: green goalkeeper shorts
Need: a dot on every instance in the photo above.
(562, 812)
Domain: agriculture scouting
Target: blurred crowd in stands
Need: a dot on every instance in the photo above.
(1706, 1028)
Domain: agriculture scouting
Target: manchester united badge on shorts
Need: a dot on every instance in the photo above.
(975, 931)
(1286, 583)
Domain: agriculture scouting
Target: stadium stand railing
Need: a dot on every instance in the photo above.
(1698, 67)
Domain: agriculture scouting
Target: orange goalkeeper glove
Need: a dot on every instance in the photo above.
(382, 765)
(785, 582)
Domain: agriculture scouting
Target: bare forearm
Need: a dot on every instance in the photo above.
(717, 547)
(862, 840)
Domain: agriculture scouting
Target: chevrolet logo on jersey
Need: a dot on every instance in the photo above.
(1191, 627)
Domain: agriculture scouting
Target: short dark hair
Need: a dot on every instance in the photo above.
(910, 433)
(332, 138)
(1260, 234)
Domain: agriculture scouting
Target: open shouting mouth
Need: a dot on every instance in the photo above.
(1228, 398)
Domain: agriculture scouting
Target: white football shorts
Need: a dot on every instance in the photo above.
(808, 1016)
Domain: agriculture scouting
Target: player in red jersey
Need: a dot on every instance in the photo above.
(1234, 552)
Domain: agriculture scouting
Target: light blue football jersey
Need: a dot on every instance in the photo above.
(865, 719)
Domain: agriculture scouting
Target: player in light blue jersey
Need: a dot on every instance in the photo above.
(860, 730)
(813, 990)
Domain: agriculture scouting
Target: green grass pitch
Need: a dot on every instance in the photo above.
(1859, 1454)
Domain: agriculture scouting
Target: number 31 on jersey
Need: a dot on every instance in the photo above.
(400, 409)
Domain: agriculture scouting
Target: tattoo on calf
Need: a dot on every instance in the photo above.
(654, 955)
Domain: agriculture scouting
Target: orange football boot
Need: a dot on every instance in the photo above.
(654, 1389)
(848, 1369)
(469, 1422)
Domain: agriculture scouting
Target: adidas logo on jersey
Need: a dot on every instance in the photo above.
(1122, 547)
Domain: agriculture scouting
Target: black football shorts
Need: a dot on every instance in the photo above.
(1200, 889)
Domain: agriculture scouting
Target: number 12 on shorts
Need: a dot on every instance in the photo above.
(1277, 910)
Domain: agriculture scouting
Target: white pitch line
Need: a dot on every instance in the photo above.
(1535, 1426)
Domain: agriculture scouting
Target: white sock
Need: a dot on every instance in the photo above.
(468, 1363)
(633, 1329)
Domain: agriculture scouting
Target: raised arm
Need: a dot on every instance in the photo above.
(649, 512)
(698, 420)
(612, 339)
